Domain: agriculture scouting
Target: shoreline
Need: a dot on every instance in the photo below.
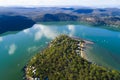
(81, 47)
(66, 52)
(83, 53)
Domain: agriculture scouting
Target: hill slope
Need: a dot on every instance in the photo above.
(59, 61)
(14, 23)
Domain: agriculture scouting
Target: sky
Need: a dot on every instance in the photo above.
(38, 3)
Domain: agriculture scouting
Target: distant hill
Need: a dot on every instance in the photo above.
(14, 23)
(85, 11)
(58, 17)
(100, 16)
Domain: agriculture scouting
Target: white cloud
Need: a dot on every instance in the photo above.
(1, 39)
(12, 49)
(43, 30)
(98, 3)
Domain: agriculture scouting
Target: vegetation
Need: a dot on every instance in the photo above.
(14, 23)
(99, 17)
(59, 61)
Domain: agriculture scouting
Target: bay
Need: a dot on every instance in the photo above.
(17, 48)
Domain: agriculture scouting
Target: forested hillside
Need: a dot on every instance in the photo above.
(59, 61)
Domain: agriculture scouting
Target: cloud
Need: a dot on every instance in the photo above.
(45, 31)
(71, 28)
(100, 3)
(1, 39)
(12, 49)
(92, 3)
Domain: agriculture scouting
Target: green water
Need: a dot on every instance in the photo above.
(16, 48)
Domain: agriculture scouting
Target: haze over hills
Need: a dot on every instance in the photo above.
(94, 16)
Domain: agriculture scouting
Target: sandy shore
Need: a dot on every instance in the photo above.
(83, 46)
(83, 55)
(88, 42)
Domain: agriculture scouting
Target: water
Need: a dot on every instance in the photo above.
(17, 48)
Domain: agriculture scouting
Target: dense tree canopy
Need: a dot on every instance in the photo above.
(59, 61)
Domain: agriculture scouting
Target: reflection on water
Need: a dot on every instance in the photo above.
(1, 39)
(12, 49)
(17, 48)
(71, 28)
(42, 30)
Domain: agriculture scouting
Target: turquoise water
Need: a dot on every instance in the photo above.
(16, 48)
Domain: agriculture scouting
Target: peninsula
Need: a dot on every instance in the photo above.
(63, 60)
